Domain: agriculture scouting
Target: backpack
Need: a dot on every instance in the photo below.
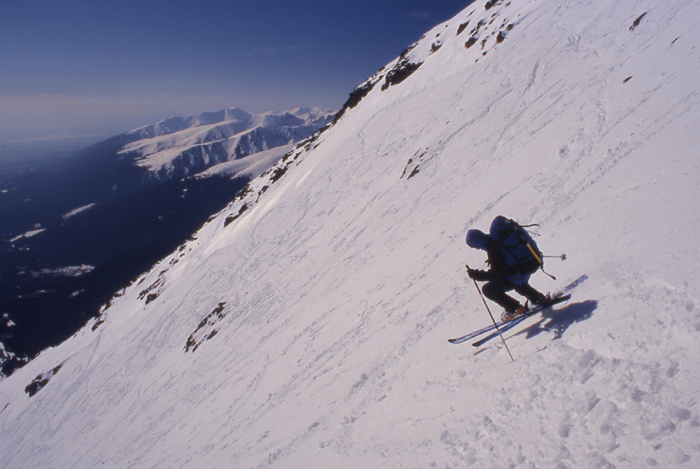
(522, 256)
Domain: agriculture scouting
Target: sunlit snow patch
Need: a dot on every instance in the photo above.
(78, 210)
(68, 271)
(28, 234)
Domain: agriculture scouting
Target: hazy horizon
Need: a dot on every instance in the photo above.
(93, 70)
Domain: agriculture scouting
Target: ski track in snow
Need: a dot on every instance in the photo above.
(306, 325)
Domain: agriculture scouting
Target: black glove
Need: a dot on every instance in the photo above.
(476, 274)
(470, 272)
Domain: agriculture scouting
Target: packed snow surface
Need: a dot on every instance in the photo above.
(306, 325)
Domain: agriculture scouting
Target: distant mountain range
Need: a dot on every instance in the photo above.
(180, 147)
(74, 232)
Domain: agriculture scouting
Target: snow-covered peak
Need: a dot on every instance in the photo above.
(180, 147)
(306, 324)
(177, 124)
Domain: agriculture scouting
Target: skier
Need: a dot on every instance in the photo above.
(506, 271)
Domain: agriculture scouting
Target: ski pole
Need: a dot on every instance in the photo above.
(492, 319)
(562, 257)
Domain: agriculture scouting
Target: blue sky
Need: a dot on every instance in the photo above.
(76, 68)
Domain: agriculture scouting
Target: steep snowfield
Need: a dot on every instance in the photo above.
(250, 166)
(306, 325)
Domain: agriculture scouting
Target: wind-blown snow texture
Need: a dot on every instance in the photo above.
(306, 324)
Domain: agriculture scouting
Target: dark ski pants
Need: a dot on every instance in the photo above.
(495, 290)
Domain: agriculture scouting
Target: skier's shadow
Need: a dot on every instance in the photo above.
(558, 321)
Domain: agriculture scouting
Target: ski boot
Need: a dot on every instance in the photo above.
(543, 301)
(508, 315)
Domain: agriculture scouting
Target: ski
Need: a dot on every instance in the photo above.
(518, 319)
(558, 295)
(471, 335)
(505, 325)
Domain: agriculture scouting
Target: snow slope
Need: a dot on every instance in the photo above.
(306, 325)
(250, 166)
